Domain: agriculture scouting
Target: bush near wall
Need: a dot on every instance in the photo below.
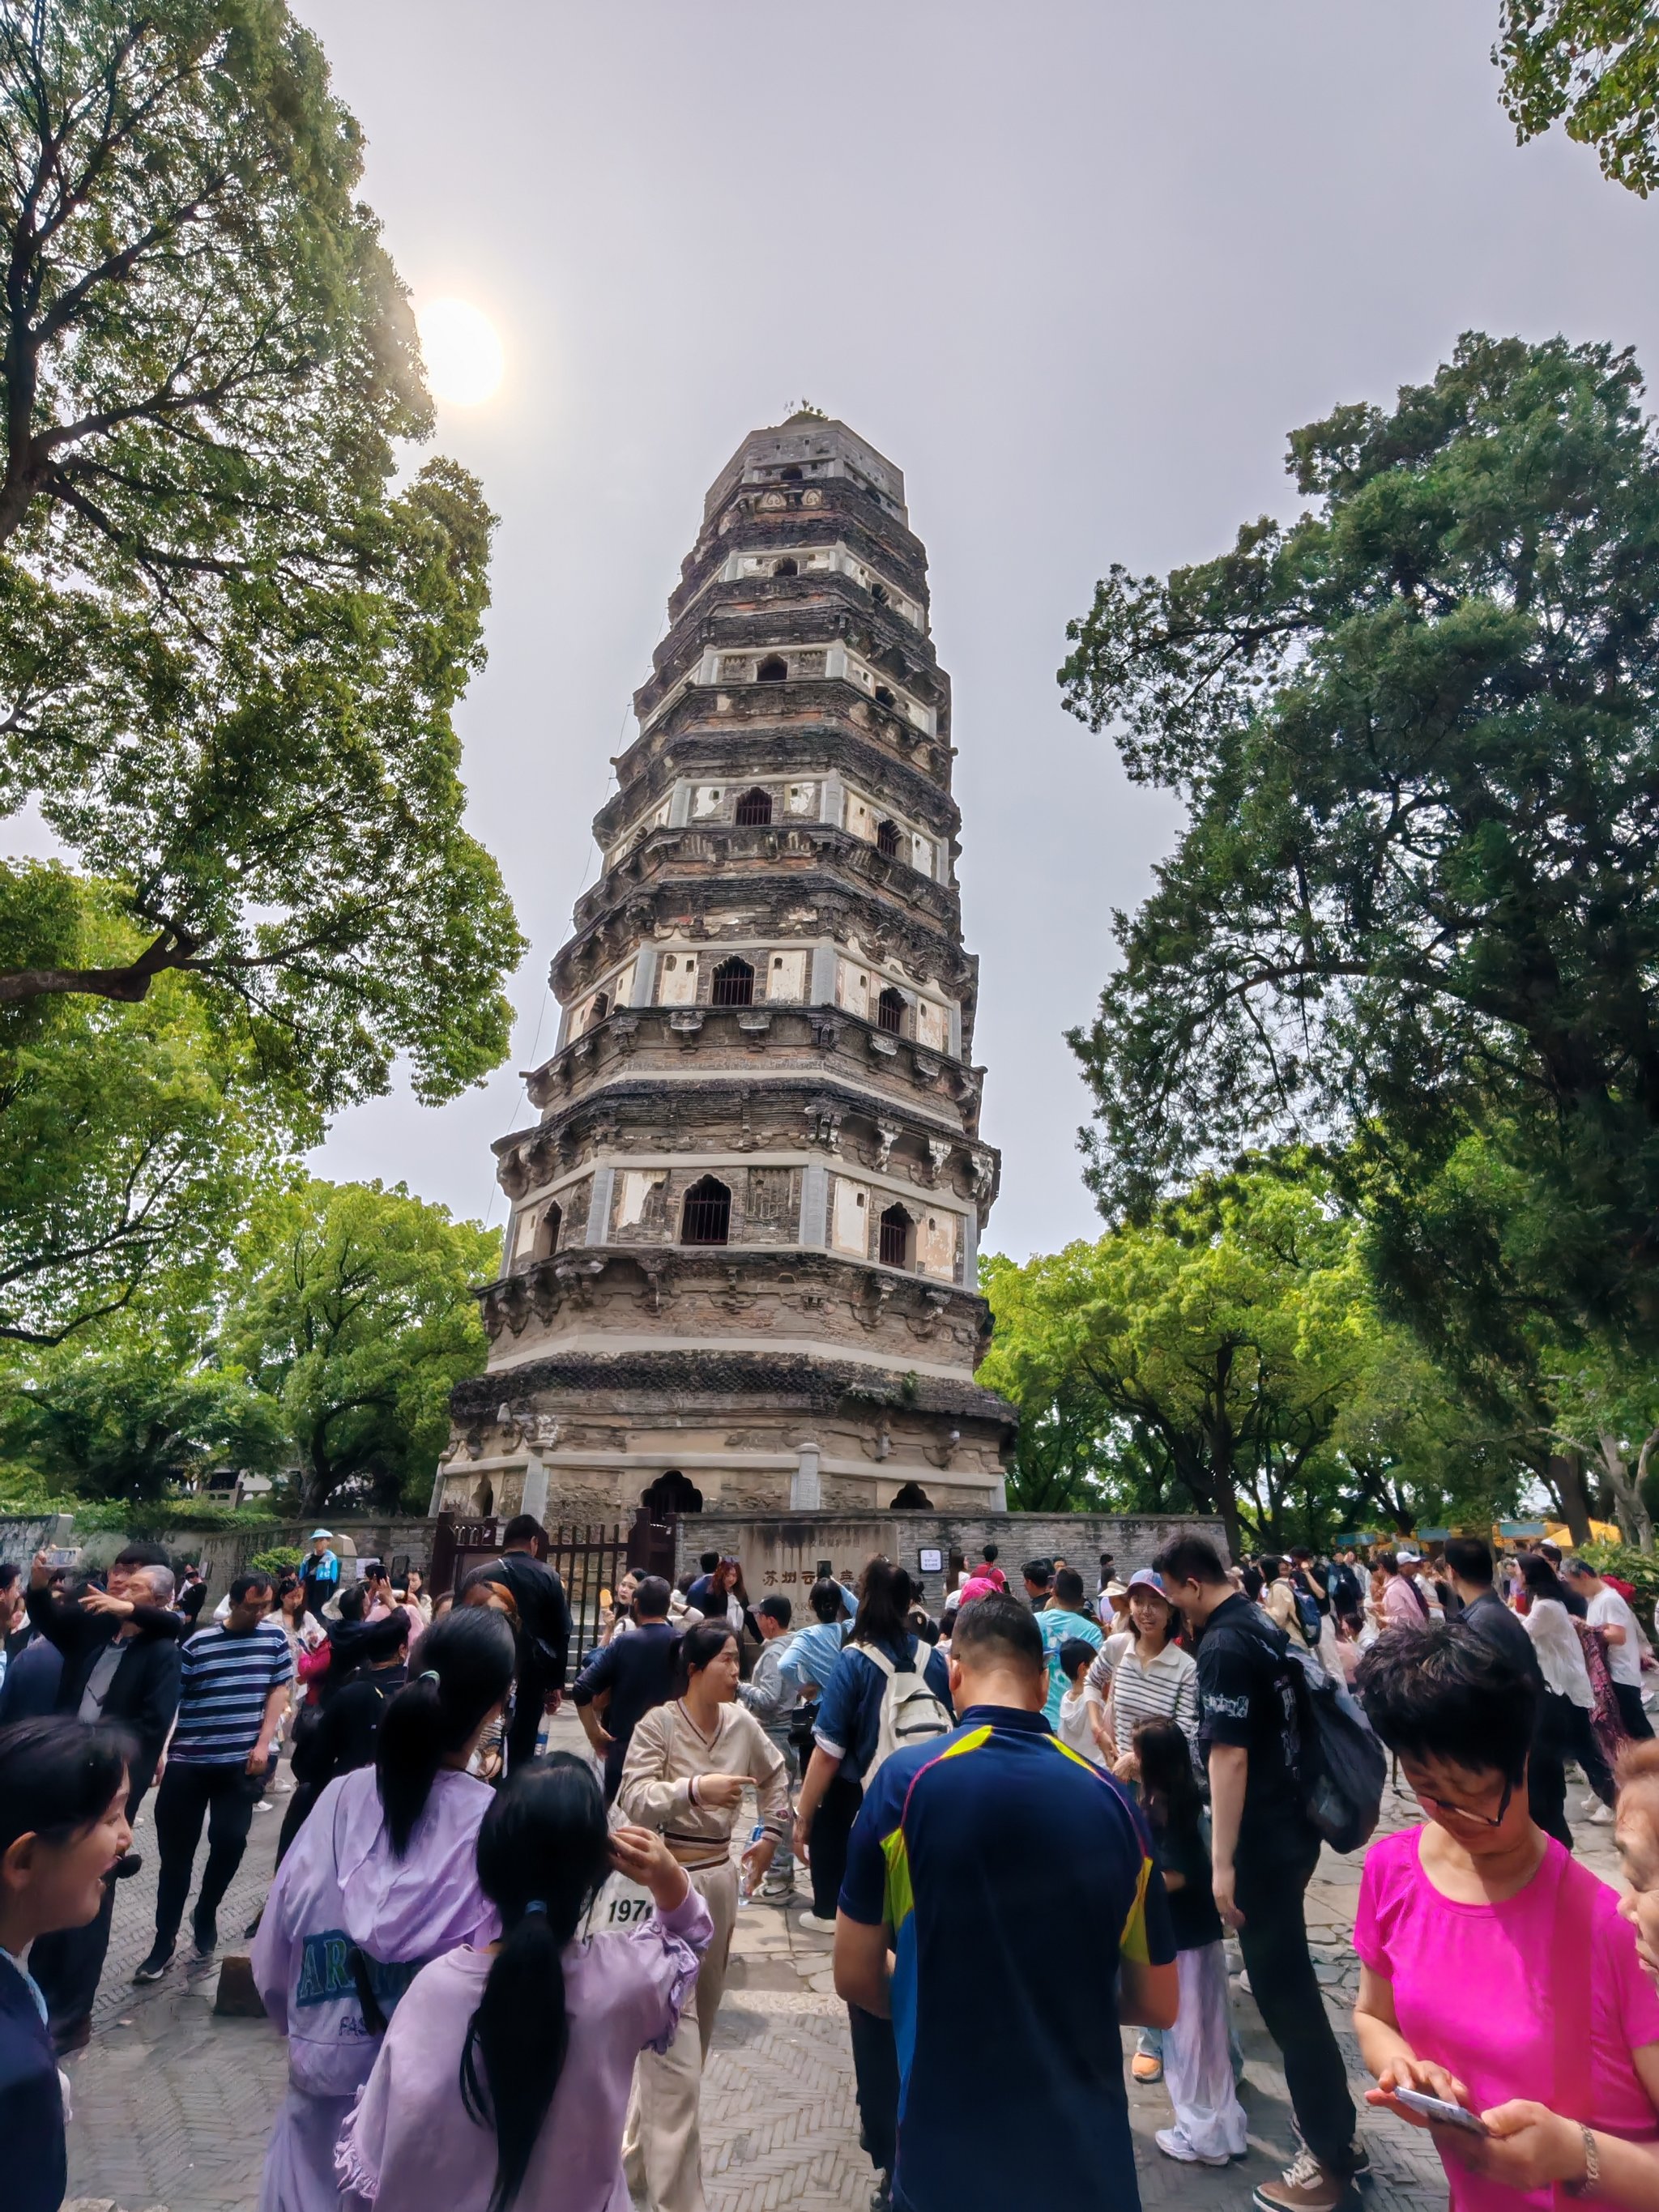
(278, 1560)
(163, 1519)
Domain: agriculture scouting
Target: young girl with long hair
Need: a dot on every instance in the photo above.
(687, 1765)
(503, 2079)
(380, 1878)
(1209, 2120)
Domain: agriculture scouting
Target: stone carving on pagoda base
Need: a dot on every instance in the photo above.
(741, 1263)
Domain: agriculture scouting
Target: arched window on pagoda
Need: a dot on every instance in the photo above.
(889, 1011)
(889, 839)
(706, 1218)
(774, 669)
(754, 810)
(547, 1232)
(896, 1237)
(733, 983)
(787, 567)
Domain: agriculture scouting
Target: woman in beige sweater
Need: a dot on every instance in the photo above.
(687, 1765)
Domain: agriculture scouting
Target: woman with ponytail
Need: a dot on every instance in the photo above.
(380, 1878)
(502, 2081)
(688, 1763)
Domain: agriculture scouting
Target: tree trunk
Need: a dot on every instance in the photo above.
(1635, 1522)
(1217, 1466)
(318, 1481)
(1232, 1527)
(1643, 1518)
(1567, 1478)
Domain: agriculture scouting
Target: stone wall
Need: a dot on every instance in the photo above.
(782, 1551)
(20, 1540)
(221, 1558)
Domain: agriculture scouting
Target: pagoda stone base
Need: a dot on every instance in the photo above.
(591, 1438)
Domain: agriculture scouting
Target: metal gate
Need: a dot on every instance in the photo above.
(589, 1558)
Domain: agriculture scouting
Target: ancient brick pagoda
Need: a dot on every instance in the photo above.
(740, 1264)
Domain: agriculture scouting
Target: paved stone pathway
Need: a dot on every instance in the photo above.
(173, 2103)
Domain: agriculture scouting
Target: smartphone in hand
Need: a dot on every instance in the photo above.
(1437, 2109)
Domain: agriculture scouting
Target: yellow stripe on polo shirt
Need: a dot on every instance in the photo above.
(1132, 1943)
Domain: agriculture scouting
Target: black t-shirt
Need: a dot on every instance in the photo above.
(1193, 1914)
(1247, 1688)
(1491, 1620)
(350, 1726)
(543, 1613)
(638, 1669)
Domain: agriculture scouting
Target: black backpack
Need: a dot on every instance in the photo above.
(1344, 1767)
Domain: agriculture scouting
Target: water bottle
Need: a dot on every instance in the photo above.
(745, 1895)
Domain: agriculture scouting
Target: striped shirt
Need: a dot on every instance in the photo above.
(1164, 1688)
(221, 1695)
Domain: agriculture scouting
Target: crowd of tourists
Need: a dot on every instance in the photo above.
(498, 1974)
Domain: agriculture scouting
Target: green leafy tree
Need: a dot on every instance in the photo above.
(134, 1417)
(1069, 1453)
(229, 649)
(129, 1135)
(354, 1311)
(1417, 897)
(1219, 1339)
(1593, 63)
(1458, 1240)
(1416, 1453)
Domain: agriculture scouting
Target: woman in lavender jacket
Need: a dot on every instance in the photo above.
(380, 1879)
(503, 2083)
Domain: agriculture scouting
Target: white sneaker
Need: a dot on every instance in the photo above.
(1589, 1805)
(1602, 1817)
(818, 1927)
(1174, 2144)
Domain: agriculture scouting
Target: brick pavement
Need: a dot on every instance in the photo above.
(172, 2104)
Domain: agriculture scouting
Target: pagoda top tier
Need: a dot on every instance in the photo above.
(809, 448)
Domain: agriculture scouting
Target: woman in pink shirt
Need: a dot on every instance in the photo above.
(1403, 1604)
(1494, 1968)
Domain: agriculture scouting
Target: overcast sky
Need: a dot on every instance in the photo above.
(1076, 268)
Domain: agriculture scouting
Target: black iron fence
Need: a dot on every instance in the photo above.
(589, 1558)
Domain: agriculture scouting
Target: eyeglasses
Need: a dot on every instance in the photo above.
(1463, 1813)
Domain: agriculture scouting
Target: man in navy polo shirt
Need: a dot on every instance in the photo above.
(1014, 1880)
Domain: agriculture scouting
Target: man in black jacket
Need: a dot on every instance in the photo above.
(120, 1651)
(544, 1630)
(1469, 1562)
(620, 1685)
